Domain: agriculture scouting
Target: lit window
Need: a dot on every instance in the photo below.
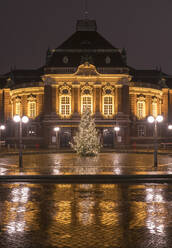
(154, 109)
(18, 108)
(108, 105)
(140, 131)
(32, 109)
(65, 105)
(87, 103)
(140, 109)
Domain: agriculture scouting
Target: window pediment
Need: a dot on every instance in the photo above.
(65, 90)
(108, 90)
(141, 98)
(86, 90)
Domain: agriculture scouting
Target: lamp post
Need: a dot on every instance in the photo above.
(57, 129)
(116, 129)
(20, 120)
(156, 120)
(2, 127)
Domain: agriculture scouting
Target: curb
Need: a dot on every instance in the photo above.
(88, 179)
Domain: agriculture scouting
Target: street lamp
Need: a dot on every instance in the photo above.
(156, 120)
(2, 127)
(57, 129)
(20, 120)
(116, 129)
(170, 127)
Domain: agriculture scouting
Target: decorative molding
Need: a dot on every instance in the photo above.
(86, 69)
(108, 90)
(86, 90)
(65, 90)
(141, 98)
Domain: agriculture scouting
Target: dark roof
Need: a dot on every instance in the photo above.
(151, 76)
(86, 45)
(86, 40)
(15, 77)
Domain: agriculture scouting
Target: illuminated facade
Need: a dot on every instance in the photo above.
(85, 70)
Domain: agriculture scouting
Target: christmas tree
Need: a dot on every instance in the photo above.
(87, 141)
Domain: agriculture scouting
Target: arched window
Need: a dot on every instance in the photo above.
(108, 101)
(32, 106)
(86, 99)
(141, 107)
(18, 108)
(32, 109)
(107, 105)
(65, 101)
(65, 105)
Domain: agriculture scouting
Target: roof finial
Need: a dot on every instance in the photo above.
(86, 10)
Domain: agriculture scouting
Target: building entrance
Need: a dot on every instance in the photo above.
(65, 137)
(108, 137)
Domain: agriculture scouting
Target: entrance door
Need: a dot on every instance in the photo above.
(108, 137)
(65, 137)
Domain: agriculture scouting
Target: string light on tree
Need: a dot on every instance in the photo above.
(87, 141)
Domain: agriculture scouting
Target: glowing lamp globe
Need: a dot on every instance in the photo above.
(159, 118)
(2, 127)
(170, 127)
(25, 119)
(56, 129)
(150, 119)
(16, 118)
(116, 129)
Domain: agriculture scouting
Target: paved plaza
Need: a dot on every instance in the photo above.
(58, 215)
(71, 164)
(85, 215)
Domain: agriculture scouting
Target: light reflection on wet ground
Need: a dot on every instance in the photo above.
(85, 215)
(107, 163)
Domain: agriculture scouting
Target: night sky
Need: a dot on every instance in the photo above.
(28, 28)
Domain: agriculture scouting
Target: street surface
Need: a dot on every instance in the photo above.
(85, 215)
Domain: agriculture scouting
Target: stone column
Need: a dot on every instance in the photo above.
(125, 99)
(165, 103)
(53, 98)
(170, 106)
(47, 99)
(24, 105)
(97, 99)
(7, 104)
(1, 106)
(119, 99)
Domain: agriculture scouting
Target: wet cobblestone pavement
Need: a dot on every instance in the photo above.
(71, 164)
(85, 215)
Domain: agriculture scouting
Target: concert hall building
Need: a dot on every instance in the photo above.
(85, 70)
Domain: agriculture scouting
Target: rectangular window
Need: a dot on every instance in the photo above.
(87, 103)
(18, 110)
(140, 110)
(32, 109)
(65, 105)
(140, 131)
(107, 105)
